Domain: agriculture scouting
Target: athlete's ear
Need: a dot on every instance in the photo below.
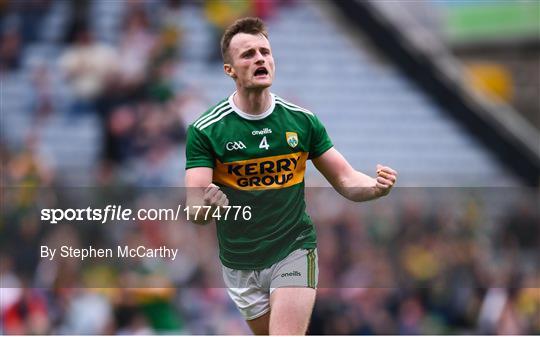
(229, 70)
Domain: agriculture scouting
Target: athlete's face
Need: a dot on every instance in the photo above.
(252, 64)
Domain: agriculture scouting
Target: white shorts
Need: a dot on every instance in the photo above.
(250, 289)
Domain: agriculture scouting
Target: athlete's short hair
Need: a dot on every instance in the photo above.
(249, 25)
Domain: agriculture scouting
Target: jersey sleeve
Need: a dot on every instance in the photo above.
(198, 150)
(320, 141)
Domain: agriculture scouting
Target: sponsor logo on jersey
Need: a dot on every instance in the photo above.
(264, 131)
(262, 173)
(292, 139)
(294, 273)
(232, 146)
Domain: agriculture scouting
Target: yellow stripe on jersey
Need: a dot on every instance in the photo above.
(262, 173)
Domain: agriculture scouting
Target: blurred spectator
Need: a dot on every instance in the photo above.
(26, 168)
(130, 320)
(187, 104)
(134, 130)
(521, 228)
(160, 85)
(87, 313)
(120, 134)
(10, 50)
(135, 48)
(220, 14)
(170, 29)
(90, 67)
(410, 316)
(28, 315)
(43, 105)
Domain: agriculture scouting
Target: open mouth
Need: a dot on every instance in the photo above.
(261, 71)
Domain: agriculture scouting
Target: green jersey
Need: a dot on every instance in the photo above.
(259, 161)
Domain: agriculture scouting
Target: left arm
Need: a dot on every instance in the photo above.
(352, 184)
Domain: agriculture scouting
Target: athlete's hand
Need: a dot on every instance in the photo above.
(215, 197)
(386, 179)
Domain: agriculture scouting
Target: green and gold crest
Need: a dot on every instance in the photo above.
(292, 138)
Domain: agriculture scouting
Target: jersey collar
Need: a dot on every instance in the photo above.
(250, 116)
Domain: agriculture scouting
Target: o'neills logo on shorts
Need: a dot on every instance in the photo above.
(262, 173)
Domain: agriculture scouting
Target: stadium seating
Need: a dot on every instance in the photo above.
(373, 114)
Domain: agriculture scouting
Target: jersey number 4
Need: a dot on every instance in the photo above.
(264, 144)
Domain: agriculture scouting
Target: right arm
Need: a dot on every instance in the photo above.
(201, 192)
(352, 184)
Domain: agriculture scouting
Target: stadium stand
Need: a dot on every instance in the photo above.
(373, 112)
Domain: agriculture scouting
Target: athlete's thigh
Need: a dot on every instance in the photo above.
(259, 325)
(291, 310)
(251, 300)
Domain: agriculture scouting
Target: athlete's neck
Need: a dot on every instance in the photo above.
(253, 102)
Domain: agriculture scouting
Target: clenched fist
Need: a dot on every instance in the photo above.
(386, 179)
(214, 197)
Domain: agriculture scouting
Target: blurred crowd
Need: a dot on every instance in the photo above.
(425, 261)
(430, 261)
(130, 84)
(397, 268)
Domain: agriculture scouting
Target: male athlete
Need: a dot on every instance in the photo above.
(251, 149)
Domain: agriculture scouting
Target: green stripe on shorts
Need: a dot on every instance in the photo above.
(311, 269)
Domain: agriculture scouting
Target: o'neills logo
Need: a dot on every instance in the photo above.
(294, 273)
(262, 173)
(264, 131)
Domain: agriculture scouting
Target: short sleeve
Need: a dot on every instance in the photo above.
(198, 150)
(320, 141)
